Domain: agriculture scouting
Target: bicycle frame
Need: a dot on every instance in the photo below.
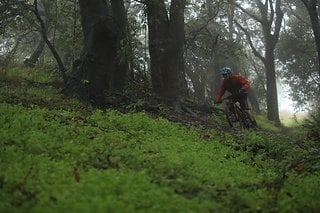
(236, 117)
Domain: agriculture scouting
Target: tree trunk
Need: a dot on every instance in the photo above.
(166, 43)
(271, 40)
(157, 25)
(272, 94)
(33, 59)
(311, 6)
(93, 71)
(215, 58)
(119, 75)
(173, 60)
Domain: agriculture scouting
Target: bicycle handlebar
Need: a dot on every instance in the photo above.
(226, 98)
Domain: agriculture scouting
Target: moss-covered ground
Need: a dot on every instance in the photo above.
(59, 155)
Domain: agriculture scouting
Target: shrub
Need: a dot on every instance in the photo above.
(312, 124)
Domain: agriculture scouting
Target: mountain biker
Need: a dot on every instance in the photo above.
(238, 86)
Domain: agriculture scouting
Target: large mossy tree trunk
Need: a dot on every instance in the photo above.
(166, 43)
(119, 76)
(99, 65)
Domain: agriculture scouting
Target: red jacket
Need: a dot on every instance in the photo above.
(232, 84)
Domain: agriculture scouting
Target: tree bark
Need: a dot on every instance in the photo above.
(272, 94)
(33, 59)
(93, 72)
(119, 75)
(311, 6)
(157, 25)
(166, 43)
(175, 61)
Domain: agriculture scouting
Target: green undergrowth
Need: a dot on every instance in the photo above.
(265, 124)
(31, 87)
(78, 159)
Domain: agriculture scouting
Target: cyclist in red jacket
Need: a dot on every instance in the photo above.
(238, 86)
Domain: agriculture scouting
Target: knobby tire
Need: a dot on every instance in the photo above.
(237, 118)
(234, 118)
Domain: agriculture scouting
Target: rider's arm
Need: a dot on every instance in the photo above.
(220, 92)
(244, 82)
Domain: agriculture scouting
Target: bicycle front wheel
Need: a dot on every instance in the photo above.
(234, 119)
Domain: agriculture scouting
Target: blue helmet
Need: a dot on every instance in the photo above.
(226, 71)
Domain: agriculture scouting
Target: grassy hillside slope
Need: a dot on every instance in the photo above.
(58, 155)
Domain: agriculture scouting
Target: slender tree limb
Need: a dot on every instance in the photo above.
(245, 11)
(298, 17)
(260, 77)
(44, 34)
(254, 50)
(141, 1)
(272, 10)
(263, 8)
(279, 18)
(214, 44)
(196, 32)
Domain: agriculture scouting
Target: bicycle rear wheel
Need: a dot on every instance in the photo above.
(247, 123)
(243, 118)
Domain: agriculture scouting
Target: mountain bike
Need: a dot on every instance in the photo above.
(236, 117)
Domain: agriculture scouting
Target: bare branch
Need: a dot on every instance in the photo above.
(264, 12)
(43, 31)
(260, 76)
(298, 17)
(272, 10)
(245, 11)
(141, 1)
(254, 50)
(196, 32)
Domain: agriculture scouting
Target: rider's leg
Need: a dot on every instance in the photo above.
(251, 117)
(245, 107)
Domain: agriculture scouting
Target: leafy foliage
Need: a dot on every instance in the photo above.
(12, 12)
(297, 53)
